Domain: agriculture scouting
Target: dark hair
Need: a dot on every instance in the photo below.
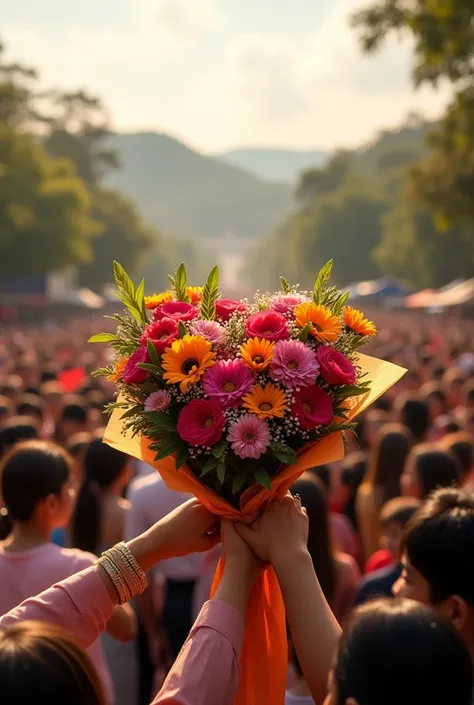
(353, 470)
(399, 651)
(387, 461)
(40, 662)
(415, 416)
(74, 412)
(5, 406)
(313, 499)
(16, 429)
(30, 405)
(399, 511)
(435, 468)
(439, 544)
(102, 466)
(49, 375)
(435, 390)
(383, 404)
(462, 446)
(469, 390)
(78, 443)
(29, 473)
(323, 475)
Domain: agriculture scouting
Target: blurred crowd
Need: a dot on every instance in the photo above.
(417, 438)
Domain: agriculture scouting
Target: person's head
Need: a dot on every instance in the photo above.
(105, 470)
(469, 395)
(31, 405)
(462, 446)
(323, 474)
(17, 429)
(53, 395)
(74, 419)
(6, 408)
(353, 471)
(438, 559)
(42, 663)
(453, 382)
(313, 498)
(443, 426)
(12, 387)
(387, 461)
(427, 468)
(27, 371)
(398, 651)
(469, 423)
(394, 517)
(435, 397)
(36, 486)
(373, 423)
(414, 414)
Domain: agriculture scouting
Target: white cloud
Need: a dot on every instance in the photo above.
(183, 21)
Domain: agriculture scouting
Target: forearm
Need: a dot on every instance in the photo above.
(314, 629)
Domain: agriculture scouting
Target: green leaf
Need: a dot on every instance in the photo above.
(321, 281)
(210, 294)
(238, 482)
(284, 453)
(221, 470)
(340, 303)
(154, 357)
(304, 332)
(181, 281)
(263, 478)
(160, 420)
(181, 455)
(140, 300)
(103, 338)
(168, 446)
(285, 285)
(128, 295)
(137, 409)
(219, 449)
(153, 369)
(209, 465)
(123, 281)
(102, 372)
(341, 413)
(353, 390)
(182, 329)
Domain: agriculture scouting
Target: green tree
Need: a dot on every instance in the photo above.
(314, 182)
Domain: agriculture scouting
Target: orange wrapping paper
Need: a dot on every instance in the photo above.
(264, 655)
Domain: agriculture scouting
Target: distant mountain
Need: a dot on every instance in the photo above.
(184, 192)
(274, 164)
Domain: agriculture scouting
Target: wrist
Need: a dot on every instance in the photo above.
(147, 549)
(287, 560)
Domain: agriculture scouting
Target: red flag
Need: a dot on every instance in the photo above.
(71, 380)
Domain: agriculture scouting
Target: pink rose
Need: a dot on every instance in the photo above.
(201, 422)
(335, 368)
(267, 324)
(133, 374)
(226, 307)
(312, 407)
(177, 310)
(161, 333)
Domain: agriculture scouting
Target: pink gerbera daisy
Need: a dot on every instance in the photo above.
(249, 436)
(158, 401)
(210, 330)
(285, 303)
(227, 382)
(294, 364)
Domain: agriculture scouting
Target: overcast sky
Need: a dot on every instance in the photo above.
(220, 74)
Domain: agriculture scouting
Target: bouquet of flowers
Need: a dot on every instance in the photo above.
(233, 400)
(236, 389)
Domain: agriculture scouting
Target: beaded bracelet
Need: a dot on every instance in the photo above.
(124, 572)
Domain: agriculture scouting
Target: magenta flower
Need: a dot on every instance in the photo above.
(158, 401)
(285, 303)
(267, 324)
(294, 364)
(210, 330)
(133, 374)
(177, 310)
(249, 436)
(227, 381)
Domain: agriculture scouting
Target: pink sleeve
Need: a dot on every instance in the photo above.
(80, 604)
(206, 671)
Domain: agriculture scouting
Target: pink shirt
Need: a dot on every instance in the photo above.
(27, 573)
(206, 671)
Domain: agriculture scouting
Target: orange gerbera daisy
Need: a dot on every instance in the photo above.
(257, 353)
(355, 321)
(156, 300)
(186, 361)
(324, 326)
(194, 294)
(266, 402)
(119, 368)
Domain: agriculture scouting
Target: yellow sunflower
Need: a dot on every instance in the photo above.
(194, 294)
(152, 302)
(257, 353)
(266, 402)
(355, 321)
(186, 361)
(324, 326)
(119, 368)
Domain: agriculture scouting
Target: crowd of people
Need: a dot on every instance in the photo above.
(378, 545)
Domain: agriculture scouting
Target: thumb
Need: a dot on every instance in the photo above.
(245, 532)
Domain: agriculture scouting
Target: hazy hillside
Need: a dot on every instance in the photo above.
(182, 191)
(274, 164)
